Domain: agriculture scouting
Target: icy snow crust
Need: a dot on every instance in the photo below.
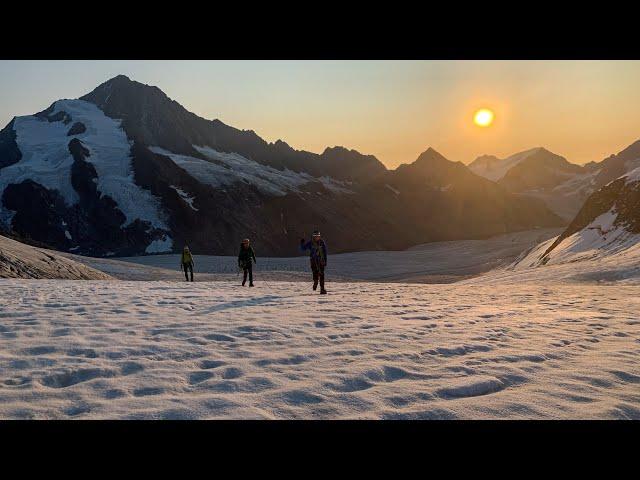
(46, 160)
(232, 167)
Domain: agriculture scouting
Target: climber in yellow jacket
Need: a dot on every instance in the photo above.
(186, 263)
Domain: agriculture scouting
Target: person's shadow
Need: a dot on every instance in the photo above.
(249, 302)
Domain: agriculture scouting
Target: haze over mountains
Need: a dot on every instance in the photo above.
(125, 170)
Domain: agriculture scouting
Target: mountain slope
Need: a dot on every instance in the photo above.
(18, 260)
(438, 199)
(539, 170)
(602, 243)
(125, 170)
(563, 186)
(494, 168)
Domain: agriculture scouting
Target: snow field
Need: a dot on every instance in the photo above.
(161, 350)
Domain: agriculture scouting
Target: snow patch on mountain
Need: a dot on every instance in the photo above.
(46, 160)
(397, 192)
(228, 168)
(581, 183)
(632, 176)
(599, 239)
(188, 199)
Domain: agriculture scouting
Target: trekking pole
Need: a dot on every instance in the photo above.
(265, 282)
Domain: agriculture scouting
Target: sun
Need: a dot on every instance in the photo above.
(483, 117)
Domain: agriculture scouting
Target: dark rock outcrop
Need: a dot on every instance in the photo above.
(40, 213)
(76, 129)
(9, 151)
(49, 116)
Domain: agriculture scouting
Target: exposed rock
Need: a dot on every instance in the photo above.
(76, 129)
(9, 152)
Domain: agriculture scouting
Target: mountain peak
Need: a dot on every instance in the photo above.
(336, 149)
(632, 151)
(119, 78)
(431, 155)
(122, 86)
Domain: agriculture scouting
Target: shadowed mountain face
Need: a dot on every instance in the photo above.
(125, 170)
(541, 170)
(439, 199)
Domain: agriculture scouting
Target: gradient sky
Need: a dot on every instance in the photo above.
(582, 110)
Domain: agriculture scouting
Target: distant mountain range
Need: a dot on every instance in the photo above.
(562, 185)
(125, 170)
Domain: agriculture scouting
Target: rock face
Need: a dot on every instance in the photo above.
(9, 151)
(76, 129)
(18, 260)
(125, 170)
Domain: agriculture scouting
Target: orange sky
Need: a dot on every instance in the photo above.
(583, 110)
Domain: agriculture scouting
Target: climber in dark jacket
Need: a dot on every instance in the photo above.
(318, 257)
(244, 261)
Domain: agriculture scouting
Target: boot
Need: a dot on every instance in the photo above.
(251, 284)
(323, 292)
(315, 285)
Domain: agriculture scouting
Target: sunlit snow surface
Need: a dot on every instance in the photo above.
(46, 160)
(159, 350)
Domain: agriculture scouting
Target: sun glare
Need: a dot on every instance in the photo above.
(483, 117)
